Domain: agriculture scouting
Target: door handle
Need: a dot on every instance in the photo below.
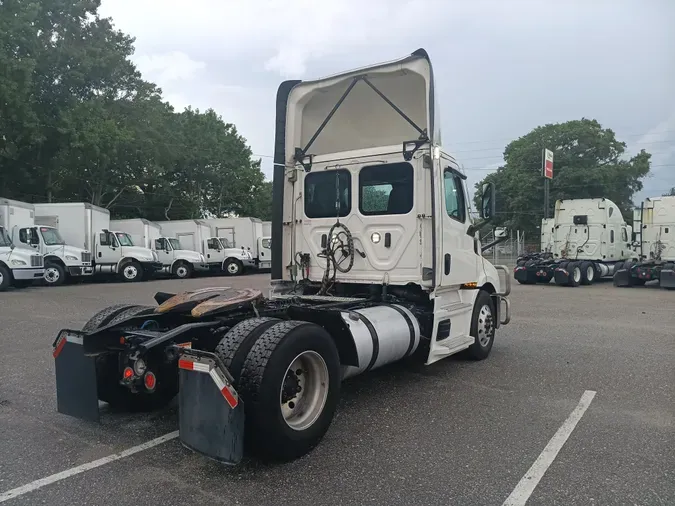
(447, 263)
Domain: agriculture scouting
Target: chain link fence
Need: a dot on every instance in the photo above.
(508, 251)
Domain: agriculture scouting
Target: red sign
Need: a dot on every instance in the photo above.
(548, 164)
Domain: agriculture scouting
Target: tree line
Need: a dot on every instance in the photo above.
(79, 123)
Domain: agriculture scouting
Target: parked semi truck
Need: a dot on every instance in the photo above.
(654, 223)
(219, 253)
(61, 260)
(18, 266)
(88, 226)
(176, 260)
(358, 282)
(246, 233)
(589, 238)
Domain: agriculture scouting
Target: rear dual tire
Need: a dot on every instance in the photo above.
(288, 375)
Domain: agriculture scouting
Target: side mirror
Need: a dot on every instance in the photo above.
(487, 202)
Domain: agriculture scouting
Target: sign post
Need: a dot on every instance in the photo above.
(547, 172)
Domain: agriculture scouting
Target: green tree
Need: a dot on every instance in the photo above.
(589, 162)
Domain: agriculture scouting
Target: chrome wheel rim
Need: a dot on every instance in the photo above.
(590, 273)
(182, 271)
(304, 390)
(233, 268)
(485, 325)
(130, 272)
(52, 275)
(2, 278)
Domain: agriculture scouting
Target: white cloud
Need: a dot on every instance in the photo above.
(167, 67)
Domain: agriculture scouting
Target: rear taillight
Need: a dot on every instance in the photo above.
(128, 373)
(150, 381)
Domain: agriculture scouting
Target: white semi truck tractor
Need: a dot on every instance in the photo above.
(654, 223)
(19, 266)
(219, 253)
(584, 241)
(88, 226)
(176, 260)
(375, 260)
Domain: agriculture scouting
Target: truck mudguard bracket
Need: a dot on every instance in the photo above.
(76, 392)
(210, 412)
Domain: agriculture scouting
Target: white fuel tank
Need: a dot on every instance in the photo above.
(382, 334)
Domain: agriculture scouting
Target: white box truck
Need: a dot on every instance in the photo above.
(18, 266)
(61, 260)
(178, 260)
(88, 226)
(654, 223)
(246, 233)
(589, 239)
(218, 253)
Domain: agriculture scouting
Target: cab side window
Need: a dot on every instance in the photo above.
(455, 204)
(624, 235)
(159, 244)
(213, 244)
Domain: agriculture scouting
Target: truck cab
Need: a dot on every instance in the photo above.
(116, 249)
(180, 262)
(18, 266)
(221, 255)
(366, 201)
(61, 260)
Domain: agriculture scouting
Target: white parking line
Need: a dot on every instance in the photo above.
(42, 482)
(529, 482)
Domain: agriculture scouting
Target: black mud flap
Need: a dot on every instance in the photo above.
(76, 393)
(525, 275)
(211, 414)
(622, 277)
(667, 279)
(562, 276)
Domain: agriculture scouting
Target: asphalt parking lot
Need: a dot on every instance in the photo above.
(456, 432)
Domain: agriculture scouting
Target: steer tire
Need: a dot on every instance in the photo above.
(60, 274)
(5, 278)
(182, 270)
(140, 275)
(234, 347)
(482, 325)
(263, 379)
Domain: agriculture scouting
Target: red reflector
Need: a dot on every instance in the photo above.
(122, 340)
(150, 381)
(186, 364)
(59, 346)
(231, 399)
(128, 373)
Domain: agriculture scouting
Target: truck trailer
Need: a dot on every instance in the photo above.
(87, 226)
(219, 253)
(589, 238)
(654, 222)
(245, 233)
(176, 260)
(19, 267)
(359, 280)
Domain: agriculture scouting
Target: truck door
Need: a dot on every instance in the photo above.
(265, 252)
(164, 251)
(458, 260)
(108, 249)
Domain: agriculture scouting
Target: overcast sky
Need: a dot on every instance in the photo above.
(502, 67)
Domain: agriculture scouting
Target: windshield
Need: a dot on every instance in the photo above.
(175, 244)
(124, 239)
(225, 243)
(4, 238)
(51, 236)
